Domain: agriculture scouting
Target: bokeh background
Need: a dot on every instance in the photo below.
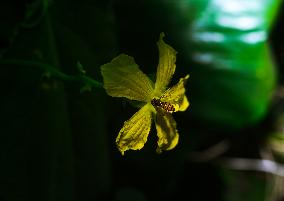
(57, 141)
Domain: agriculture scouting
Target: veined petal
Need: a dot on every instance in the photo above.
(166, 131)
(123, 78)
(167, 66)
(134, 132)
(176, 95)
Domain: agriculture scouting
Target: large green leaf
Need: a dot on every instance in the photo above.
(233, 75)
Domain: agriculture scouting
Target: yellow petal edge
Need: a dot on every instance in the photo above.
(176, 95)
(166, 66)
(167, 133)
(123, 78)
(135, 131)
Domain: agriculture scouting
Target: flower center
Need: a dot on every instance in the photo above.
(164, 105)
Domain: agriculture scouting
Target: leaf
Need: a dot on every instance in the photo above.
(233, 75)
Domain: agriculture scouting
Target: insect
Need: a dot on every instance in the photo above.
(164, 105)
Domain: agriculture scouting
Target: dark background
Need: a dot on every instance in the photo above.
(57, 143)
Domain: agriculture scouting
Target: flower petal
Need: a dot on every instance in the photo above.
(123, 78)
(184, 104)
(167, 66)
(134, 132)
(166, 131)
(176, 95)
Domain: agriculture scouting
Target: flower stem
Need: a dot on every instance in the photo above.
(53, 72)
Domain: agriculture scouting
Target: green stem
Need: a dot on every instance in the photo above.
(53, 72)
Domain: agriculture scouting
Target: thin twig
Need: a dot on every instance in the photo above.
(246, 164)
(213, 152)
(53, 72)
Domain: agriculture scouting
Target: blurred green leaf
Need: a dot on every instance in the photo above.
(233, 74)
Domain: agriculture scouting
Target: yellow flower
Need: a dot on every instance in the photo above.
(123, 78)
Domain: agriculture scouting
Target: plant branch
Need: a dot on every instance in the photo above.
(53, 72)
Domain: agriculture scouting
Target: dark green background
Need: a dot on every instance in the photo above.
(58, 144)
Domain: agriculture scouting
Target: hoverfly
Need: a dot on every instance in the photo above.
(164, 105)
